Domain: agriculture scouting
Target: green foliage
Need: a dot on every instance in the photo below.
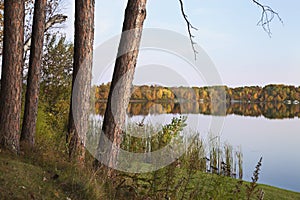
(57, 63)
(186, 177)
(55, 90)
(156, 141)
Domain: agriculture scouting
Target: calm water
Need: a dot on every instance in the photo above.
(267, 130)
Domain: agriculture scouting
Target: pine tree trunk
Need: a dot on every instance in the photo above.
(114, 118)
(34, 73)
(11, 77)
(82, 73)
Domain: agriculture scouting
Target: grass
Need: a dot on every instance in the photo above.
(47, 177)
(227, 184)
(178, 183)
(22, 180)
(46, 173)
(277, 193)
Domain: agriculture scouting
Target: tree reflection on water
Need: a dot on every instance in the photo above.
(268, 110)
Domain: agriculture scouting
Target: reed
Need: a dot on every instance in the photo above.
(252, 188)
(192, 176)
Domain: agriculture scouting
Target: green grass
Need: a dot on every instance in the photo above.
(38, 178)
(277, 193)
(201, 186)
(21, 180)
(35, 177)
(226, 184)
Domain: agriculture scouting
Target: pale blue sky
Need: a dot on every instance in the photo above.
(242, 52)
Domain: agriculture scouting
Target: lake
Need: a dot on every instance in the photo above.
(265, 129)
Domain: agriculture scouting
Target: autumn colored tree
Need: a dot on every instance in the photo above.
(11, 76)
(34, 73)
(82, 74)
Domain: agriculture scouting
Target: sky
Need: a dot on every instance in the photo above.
(241, 51)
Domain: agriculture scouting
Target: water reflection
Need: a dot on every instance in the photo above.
(267, 110)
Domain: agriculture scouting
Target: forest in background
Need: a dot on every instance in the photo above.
(277, 93)
(272, 101)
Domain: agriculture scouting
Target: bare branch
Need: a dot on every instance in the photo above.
(56, 19)
(189, 27)
(267, 16)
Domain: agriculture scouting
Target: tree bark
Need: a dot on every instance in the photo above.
(119, 94)
(11, 77)
(82, 73)
(34, 73)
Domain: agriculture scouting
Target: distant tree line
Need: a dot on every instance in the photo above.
(270, 93)
(267, 109)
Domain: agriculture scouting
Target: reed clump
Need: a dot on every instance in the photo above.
(204, 171)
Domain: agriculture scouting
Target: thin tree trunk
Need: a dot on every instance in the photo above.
(11, 77)
(34, 73)
(82, 73)
(119, 94)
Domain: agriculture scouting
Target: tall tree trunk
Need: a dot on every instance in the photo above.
(11, 77)
(82, 73)
(115, 114)
(34, 73)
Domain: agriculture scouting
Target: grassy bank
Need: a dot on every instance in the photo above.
(45, 176)
(49, 176)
